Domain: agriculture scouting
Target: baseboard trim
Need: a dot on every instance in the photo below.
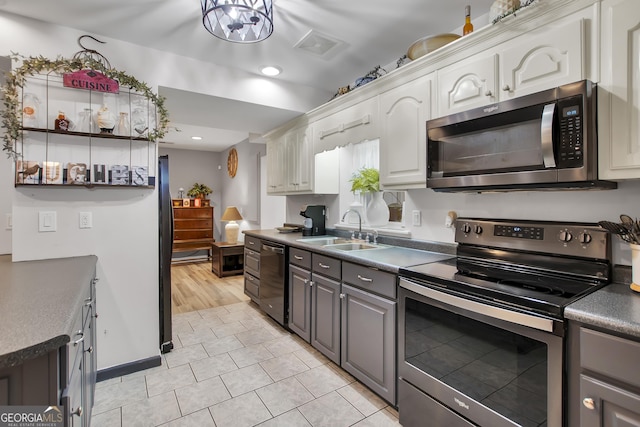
(128, 368)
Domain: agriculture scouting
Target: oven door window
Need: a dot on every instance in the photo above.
(508, 142)
(503, 371)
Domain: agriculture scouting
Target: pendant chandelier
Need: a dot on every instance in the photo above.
(239, 21)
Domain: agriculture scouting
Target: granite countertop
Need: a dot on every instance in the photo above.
(615, 308)
(389, 257)
(39, 303)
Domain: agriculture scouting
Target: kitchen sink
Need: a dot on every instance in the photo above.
(351, 246)
(323, 241)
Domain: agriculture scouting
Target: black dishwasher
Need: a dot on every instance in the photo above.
(273, 282)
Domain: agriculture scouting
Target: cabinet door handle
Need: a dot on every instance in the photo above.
(506, 88)
(253, 243)
(324, 265)
(342, 296)
(77, 412)
(589, 403)
(488, 93)
(364, 279)
(298, 257)
(310, 283)
(90, 349)
(95, 280)
(250, 278)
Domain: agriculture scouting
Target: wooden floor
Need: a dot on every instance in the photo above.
(195, 287)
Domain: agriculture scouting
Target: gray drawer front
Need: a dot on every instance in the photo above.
(597, 348)
(416, 409)
(300, 258)
(252, 287)
(252, 243)
(326, 266)
(252, 262)
(369, 279)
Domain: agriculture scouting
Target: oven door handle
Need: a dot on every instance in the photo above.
(518, 318)
(546, 135)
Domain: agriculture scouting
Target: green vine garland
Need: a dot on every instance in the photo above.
(36, 65)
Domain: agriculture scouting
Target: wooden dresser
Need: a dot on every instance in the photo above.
(192, 229)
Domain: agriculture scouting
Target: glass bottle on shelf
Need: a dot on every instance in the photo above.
(30, 110)
(62, 123)
(123, 125)
(85, 122)
(468, 26)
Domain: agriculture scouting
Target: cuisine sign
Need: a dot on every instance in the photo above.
(90, 80)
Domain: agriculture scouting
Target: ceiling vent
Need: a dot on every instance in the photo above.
(319, 44)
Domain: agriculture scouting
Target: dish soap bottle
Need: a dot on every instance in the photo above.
(468, 26)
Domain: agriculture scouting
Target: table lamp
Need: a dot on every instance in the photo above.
(232, 215)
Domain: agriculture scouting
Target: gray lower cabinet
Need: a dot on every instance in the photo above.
(300, 302)
(252, 268)
(314, 301)
(368, 340)
(604, 383)
(325, 317)
(64, 376)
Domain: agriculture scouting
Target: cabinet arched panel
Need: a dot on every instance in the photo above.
(467, 84)
(555, 58)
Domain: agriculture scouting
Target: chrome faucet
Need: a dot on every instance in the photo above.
(359, 221)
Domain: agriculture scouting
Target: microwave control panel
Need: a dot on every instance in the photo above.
(571, 133)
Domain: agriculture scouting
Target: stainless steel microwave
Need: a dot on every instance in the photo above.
(546, 140)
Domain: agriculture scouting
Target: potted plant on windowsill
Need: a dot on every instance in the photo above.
(200, 191)
(367, 180)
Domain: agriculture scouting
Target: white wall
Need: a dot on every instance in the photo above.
(273, 209)
(243, 190)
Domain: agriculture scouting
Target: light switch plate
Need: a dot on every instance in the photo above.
(9, 223)
(47, 221)
(416, 218)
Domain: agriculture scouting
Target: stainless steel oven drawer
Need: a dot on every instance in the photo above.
(416, 409)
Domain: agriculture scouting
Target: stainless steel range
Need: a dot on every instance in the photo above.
(481, 335)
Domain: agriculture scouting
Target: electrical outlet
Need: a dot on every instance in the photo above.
(86, 221)
(417, 218)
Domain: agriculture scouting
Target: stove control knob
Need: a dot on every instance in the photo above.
(477, 229)
(466, 228)
(585, 238)
(565, 236)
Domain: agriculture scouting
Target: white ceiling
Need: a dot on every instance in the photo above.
(373, 33)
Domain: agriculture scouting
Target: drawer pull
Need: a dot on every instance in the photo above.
(252, 243)
(589, 403)
(298, 257)
(324, 265)
(250, 278)
(77, 412)
(364, 279)
(90, 349)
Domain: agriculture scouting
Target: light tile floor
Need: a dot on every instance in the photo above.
(233, 366)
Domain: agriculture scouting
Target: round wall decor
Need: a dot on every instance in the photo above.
(232, 163)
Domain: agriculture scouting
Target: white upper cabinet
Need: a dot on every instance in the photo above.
(548, 56)
(403, 113)
(356, 123)
(299, 163)
(276, 166)
(467, 84)
(541, 59)
(619, 91)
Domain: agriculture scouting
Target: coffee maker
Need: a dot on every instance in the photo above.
(314, 222)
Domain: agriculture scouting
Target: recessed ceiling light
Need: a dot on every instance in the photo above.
(196, 138)
(270, 70)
